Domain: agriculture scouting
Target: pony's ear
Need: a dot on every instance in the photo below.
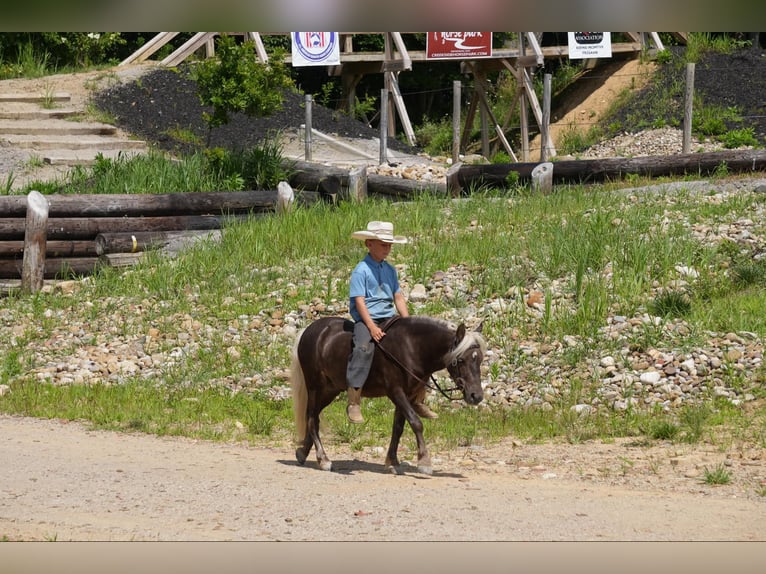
(459, 334)
(478, 329)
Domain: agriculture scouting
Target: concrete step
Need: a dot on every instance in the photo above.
(47, 142)
(41, 98)
(85, 156)
(54, 126)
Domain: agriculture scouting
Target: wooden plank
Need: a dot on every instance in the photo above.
(188, 48)
(143, 53)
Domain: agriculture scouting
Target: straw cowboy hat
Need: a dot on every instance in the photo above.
(382, 230)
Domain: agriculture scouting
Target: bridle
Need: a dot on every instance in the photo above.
(433, 384)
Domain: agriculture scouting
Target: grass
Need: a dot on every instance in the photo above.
(717, 475)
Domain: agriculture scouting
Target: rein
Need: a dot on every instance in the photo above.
(432, 383)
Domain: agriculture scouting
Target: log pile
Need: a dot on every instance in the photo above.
(82, 231)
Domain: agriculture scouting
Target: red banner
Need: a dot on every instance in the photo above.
(460, 45)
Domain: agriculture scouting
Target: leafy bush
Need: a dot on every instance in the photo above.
(739, 138)
(235, 81)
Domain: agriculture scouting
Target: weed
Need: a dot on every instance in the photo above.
(671, 304)
(718, 475)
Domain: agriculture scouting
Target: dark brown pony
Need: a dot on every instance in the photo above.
(413, 349)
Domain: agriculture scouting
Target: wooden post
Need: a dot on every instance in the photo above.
(383, 126)
(307, 131)
(456, 97)
(688, 105)
(35, 236)
(546, 124)
(523, 111)
(453, 184)
(542, 177)
(357, 184)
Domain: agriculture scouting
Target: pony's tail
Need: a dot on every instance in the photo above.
(300, 395)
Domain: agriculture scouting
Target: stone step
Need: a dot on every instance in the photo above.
(41, 98)
(48, 142)
(25, 112)
(54, 126)
(85, 156)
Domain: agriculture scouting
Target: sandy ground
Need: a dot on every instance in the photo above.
(61, 481)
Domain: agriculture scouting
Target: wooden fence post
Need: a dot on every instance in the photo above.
(307, 131)
(35, 236)
(688, 105)
(383, 126)
(456, 99)
(545, 132)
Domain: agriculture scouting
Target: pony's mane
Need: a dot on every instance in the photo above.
(471, 339)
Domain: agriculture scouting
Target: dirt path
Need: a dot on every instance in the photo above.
(61, 481)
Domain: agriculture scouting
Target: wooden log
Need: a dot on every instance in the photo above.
(597, 170)
(55, 268)
(74, 228)
(399, 187)
(308, 175)
(33, 259)
(137, 242)
(65, 248)
(144, 204)
(120, 259)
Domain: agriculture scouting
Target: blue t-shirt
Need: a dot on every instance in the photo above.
(377, 283)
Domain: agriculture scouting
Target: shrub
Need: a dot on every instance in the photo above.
(236, 82)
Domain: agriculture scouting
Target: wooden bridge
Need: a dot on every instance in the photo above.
(519, 60)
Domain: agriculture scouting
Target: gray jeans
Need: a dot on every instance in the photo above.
(360, 360)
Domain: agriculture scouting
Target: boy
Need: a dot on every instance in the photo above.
(374, 297)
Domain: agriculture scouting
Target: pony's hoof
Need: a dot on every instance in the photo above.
(300, 456)
(325, 465)
(426, 469)
(393, 470)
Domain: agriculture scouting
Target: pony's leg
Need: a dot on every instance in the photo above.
(322, 459)
(403, 405)
(392, 458)
(313, 429)
(302, 452)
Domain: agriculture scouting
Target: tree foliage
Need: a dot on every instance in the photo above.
(235, 81)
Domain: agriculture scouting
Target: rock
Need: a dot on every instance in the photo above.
(418, 293)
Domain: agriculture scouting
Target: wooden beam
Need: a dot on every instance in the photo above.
(149, 48)
(188, 48)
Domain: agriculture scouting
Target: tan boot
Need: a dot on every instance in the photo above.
(419, 404)
(424, 411)
(354, 408)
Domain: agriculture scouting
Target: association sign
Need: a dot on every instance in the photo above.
(584, 45)
(458, 45)
(315, 49)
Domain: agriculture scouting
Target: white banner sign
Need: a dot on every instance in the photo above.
(590, 45)
(315, 48)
